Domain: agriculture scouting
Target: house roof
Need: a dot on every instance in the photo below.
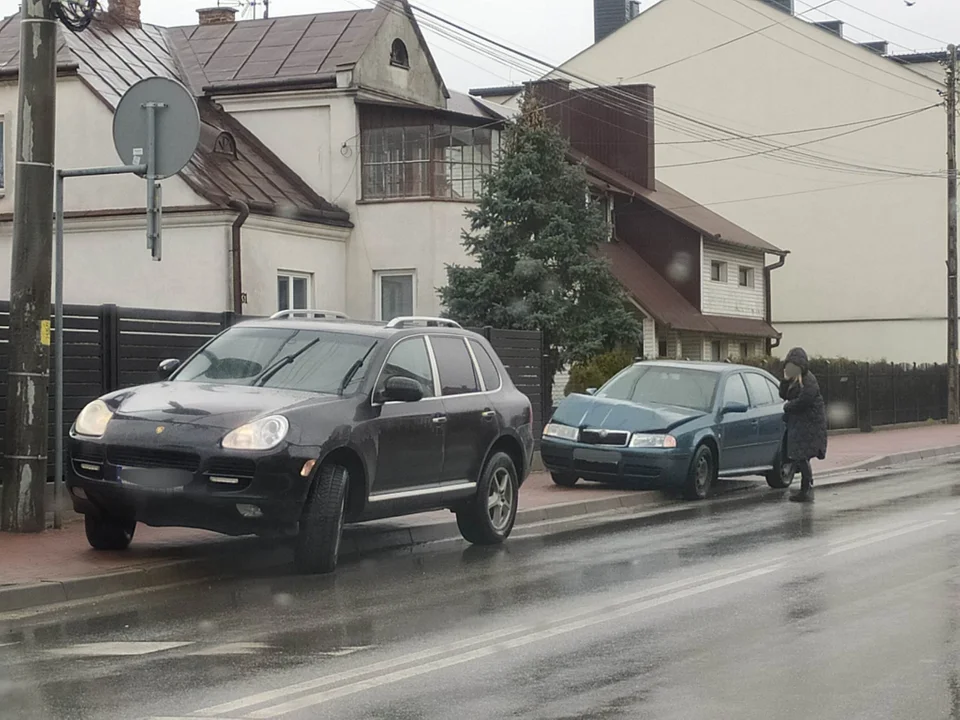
(666, 305)
(110, 58)
(497, 91)
(680, 207)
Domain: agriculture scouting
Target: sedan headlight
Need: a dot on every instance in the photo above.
(93, 419)
(647, 440)
(264, 434)
(563, 432)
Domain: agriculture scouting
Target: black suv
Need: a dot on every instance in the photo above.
(298, 425)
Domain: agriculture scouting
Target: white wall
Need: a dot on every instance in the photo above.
(865, 244)
(107, 261)
(272, 246)
(84, 139)
(727, 297)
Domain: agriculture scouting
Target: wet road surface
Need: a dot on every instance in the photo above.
(846, 609)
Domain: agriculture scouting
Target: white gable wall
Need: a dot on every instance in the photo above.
(727, 297)
(865, 274)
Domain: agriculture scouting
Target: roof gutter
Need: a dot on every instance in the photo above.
(768, 298)
(236, 252)
(320, 81)
(63, 68)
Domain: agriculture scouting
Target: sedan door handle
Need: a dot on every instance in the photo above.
(440, 420)
(488, 414)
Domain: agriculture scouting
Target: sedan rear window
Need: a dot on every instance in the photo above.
(658, 385)
(291, 359)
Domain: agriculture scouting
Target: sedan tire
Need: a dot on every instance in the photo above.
(703, 467)
(321, 526)
(109, 533)
(783, 473)
(564, 480)
(489, 518)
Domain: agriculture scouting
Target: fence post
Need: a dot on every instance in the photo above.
(109, 348)
(227, 319)
(488, 333)
(864, 404)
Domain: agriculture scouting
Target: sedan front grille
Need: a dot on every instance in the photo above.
(152, 458)
(610, 438)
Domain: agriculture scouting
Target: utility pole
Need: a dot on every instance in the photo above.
(25, 463)
(953, 402)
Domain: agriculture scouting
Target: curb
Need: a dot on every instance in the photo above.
(262, 556)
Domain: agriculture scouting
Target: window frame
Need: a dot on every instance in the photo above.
(749, 282)
(744, 350)
(403, 63)
(479, 371)
(435, 375)
(477, 375)
(718, 346)
(743, 383)
(722, 274)
(292, 275)
(378, 289)
(765, 380)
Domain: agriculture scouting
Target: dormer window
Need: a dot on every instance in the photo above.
(225, 145)
(399, 57)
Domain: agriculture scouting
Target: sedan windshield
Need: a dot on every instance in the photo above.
(658, 385)
(314, 361)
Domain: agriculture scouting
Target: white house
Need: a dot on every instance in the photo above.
(333, 172)
(823, 146)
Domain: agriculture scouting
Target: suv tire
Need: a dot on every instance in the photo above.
(108, 533)
(321, 525)
(490, 516)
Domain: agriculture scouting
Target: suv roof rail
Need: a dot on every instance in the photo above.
(283, 314)
(401, 322)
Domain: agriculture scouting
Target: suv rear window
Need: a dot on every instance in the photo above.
(308, 360)
(457, 376)
(488, 369)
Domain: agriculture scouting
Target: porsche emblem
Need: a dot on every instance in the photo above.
(160, 429)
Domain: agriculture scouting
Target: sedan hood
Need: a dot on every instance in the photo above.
(204, 405)
(583, 411)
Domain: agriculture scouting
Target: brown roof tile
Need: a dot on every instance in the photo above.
(114, 57)
(658, 297)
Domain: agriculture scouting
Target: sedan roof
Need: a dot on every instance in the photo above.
(714, 367)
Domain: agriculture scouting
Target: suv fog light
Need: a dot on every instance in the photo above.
(250, 511)
(78, 492)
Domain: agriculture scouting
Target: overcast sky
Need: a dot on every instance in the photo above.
(553, 30)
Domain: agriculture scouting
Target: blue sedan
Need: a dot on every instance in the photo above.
(667, 425)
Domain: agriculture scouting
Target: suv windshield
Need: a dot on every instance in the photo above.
(310, 360)
(655, 385)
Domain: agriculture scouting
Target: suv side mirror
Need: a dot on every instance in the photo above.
(401, 389)
(734, 407)
(167, 368)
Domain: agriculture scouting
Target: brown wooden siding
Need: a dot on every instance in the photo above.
(668, 246)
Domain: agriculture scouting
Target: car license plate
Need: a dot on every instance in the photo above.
(154, 478)
(597, 457)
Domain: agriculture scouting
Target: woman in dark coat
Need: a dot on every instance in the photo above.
(806, 418)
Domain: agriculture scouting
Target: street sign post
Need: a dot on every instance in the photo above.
(156, 130)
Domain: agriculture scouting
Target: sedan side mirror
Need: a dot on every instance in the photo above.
(735, 407)
(591, 391)
(168, 368)
(401, 389)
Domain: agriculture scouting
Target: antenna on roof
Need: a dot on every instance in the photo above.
(247, 8)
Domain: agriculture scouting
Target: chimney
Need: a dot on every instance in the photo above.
(125, 12)
(217, 15)
(611, 15)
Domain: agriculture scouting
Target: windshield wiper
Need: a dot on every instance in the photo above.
(354, 369)
(272, 370)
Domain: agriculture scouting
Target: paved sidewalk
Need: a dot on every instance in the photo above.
(59, 565)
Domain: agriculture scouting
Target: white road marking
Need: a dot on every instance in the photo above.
(237, 648)
(108, 649)
(10, 644)
(425, 655)
(344, 651)
(407, 673)
(885, 536)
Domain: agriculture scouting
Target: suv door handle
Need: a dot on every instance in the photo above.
(439, 419)
(488, 414)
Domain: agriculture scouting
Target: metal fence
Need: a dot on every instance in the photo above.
(108, 348)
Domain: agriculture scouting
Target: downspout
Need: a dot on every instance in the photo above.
(236, 253)
(768, 298)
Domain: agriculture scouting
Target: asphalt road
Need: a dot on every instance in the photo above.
(759, 609)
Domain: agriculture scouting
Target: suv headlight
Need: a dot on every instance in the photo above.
(564, 432)
(93, 420)
(263, 434)
(647, 440)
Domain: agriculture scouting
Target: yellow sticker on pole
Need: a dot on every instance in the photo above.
(45, 332)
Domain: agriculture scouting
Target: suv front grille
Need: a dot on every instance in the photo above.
(232, 467)
(150, 458)
(613, 438)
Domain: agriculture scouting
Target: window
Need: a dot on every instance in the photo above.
(225, 145)
(654, 385)
(488, 368)
(746, 277)
(395, 295)
(774, 390)
(457, 376)
(399, 57)
(716, 351)
(244, 356)
(409, 359)
(426, 161)
(718, 271)
(744, 350)
(293, 291)
(735, 391)
(759, 388)
(662, 348)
